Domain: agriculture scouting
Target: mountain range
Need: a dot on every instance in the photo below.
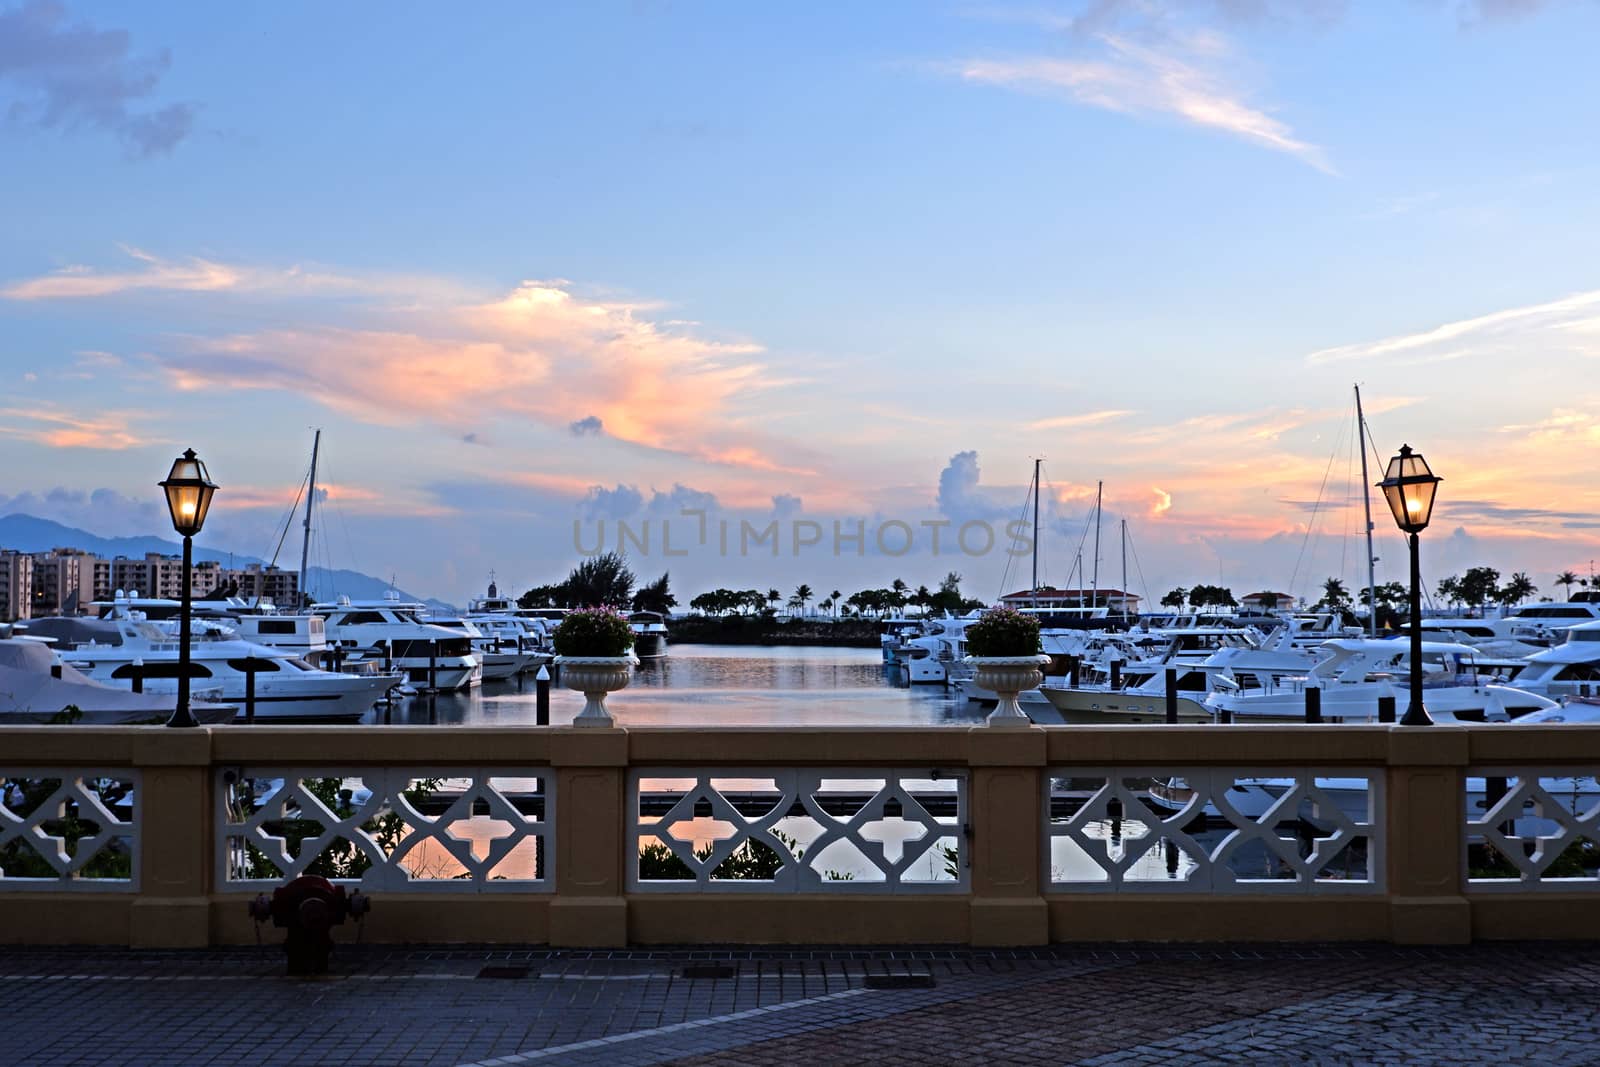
(28, 533)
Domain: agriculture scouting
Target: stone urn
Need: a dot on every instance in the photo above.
(594, 677)
(1008, 676)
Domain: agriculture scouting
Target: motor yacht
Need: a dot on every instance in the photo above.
(649, 634)
(1355, 672)
(1570, 669)
(121, 651)
(390, 631)
(502, 659)
(37, 687)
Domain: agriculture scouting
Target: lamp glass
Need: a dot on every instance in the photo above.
(1409, 488)
(189, 490)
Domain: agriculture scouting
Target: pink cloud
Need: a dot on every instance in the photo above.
(59, 429)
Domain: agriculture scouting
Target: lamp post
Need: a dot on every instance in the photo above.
(189, 489)
(1409, 487)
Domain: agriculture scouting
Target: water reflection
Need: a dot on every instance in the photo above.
(719, 685)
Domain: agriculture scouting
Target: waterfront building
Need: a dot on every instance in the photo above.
(16, 585)
(65, 580)
(1118, 601)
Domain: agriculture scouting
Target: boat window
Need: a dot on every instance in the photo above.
(275, 626)
(1579, 672)
(361, 618)
(1583, 635)
(259, 665)
(166, 669)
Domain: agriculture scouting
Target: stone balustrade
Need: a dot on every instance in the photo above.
(156, 837)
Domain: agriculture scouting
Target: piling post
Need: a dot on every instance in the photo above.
(433, 666)
(250, 690)
(1313, 699)
(541, 700)
(1386, 702)
(1072, 670)
(138, 676)
(1116, 670)
(1172, 694)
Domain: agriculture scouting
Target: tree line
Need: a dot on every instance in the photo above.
(604, 580)
(1475, 589)
(874, 603)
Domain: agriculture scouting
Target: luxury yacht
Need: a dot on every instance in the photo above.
(36, 687)
(649, 634)
(389, 631)
(1570, 669)
(1357, 671)
(502, 657)
(118, 651)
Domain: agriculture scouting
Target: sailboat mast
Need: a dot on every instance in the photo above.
(1098, 489)
(1366, 503)
(311, 494)
(1036, 533)
(1124, 569)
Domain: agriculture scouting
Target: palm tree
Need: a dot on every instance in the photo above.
(826, 605)
(923, 599)
(773, 596)
(1568, 579)
(833, 598)
(1334, 594)
(1519, 588)
(803, 594)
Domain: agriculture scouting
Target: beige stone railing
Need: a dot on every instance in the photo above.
(932, 835)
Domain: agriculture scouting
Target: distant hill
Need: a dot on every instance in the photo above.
(28, 533)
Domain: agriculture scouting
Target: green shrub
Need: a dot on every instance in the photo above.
(1003, 632)
(593, 632)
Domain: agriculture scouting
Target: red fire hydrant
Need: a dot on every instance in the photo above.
(308, 908)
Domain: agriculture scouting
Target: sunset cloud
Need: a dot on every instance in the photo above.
(1067, 422)
(1570, 324)
(193, 274)
(59, 429)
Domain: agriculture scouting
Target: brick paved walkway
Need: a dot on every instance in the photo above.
(1068, 1005)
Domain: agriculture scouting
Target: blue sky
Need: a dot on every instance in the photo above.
(805, 261)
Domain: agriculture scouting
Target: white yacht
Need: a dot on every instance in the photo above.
(36, 688)
(502, 658)
(1570, 669)
(1142, 695)
(649, 634)
(389, 631)
(125, 650)
(1357, 671)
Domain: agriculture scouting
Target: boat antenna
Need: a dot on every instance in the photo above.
(311, 494)
(1099, 489)
(1366, 504)
(1036, 463)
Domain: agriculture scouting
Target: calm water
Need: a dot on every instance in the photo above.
(723, 685)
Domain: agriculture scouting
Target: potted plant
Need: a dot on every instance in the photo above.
(1003, 649)
(594, 649)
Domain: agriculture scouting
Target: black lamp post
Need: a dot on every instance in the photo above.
(1409, 486)
(189, 489)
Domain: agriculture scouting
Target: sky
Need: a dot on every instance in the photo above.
(800, 290)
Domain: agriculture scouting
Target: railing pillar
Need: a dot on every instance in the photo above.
(1005, 848)
(173, 908)
(1425, 819)
(589, 908)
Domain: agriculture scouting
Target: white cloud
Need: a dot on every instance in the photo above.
(1570, 324)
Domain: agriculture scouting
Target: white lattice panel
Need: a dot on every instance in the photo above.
(67, 828)
(798, 830)
(1533, 830)
(456, 829)
(1210, 830)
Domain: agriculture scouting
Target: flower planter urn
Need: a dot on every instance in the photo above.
(1008, 676)
(594, 677)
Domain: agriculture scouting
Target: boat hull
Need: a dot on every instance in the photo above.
(1102, 706)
